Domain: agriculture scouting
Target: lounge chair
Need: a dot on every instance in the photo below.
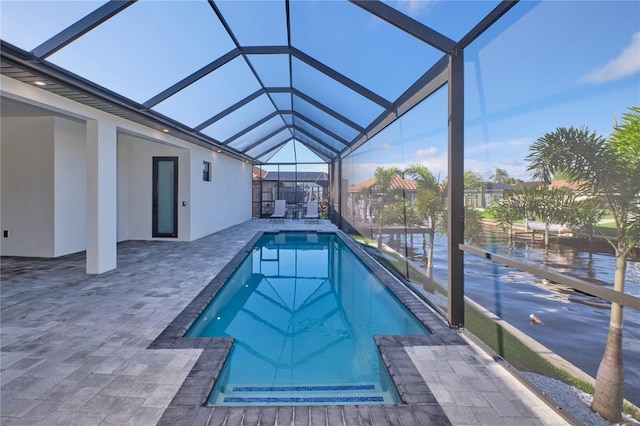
(279, 211)
(312, 212)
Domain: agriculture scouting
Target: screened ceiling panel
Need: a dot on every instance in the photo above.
(316, 154)
(257, 80)
(314, 145)
(288, 118)
(305, 155)
(211, 94)
(269, 143)
(43, 19)
(310, 128)
(324, 119)
(243, 141)
(379, 56)
(272, 69)
(240, 119)
(437, 14)
(333, 94)
(154, 47)
(285, 153)
(282, 100)
(267, 156)
(256, 23)
(294, 149)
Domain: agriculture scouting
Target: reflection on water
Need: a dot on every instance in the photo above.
(575, 325)
(303, 310)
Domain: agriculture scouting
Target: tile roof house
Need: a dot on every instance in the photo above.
(397, 182)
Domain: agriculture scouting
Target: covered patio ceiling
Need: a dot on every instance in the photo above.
(245, 78)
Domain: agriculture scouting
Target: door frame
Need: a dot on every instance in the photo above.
(154, 200)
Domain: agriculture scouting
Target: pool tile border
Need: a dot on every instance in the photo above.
(419, 403)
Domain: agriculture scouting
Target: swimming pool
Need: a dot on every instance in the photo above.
(303, 310)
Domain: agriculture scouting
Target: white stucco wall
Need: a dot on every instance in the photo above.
(27, 146)
(70, 197)
(135, 156)
(45, 186)
(124, 165)
(225, 200)
(27, 186)
(210, 206)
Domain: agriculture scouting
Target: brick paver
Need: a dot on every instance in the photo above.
(74, 348)
(475, 390)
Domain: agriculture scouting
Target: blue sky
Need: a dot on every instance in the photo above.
(560, 64)
(543, 65)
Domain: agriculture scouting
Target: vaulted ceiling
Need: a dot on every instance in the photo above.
(244, 77)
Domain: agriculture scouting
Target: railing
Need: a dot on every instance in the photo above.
(623, 299)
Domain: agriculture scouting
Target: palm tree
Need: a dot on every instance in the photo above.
(607, 168)
(556, 205)
(383, 183)
(423, 176)
(499, 176)
(510, 209)
(473, 180)
(587, 216)
(430, 206)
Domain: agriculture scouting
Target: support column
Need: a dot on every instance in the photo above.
(338, 185)
(102, 196)
(456, 189)
(334, 195)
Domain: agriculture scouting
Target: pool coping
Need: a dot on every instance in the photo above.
(189, 404)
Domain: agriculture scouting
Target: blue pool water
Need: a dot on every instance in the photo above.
(303, 310)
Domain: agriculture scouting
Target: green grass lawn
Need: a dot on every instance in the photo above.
(607, 229)
(486, 214)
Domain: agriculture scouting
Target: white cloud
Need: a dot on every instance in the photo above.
(413, 6)
(516, 168)
(427, 152)
(512, 162)
(496, 146)
(627, 63)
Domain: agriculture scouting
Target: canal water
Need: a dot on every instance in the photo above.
(575, 325)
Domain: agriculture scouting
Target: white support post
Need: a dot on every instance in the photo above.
(102, 199)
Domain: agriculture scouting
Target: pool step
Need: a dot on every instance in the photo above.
(318, 388)
(304, 395)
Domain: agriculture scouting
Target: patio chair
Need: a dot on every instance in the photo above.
(312, 212)
(279, 211)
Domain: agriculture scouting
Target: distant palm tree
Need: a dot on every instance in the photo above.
(430, 206)
(384, 178)
(555, 205)
(500, 175)
(474, 181)
(510, 209)
(423, 176)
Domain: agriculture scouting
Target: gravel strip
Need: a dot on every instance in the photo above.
(572, 400)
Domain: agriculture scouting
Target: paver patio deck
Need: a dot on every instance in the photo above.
(74, 347)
